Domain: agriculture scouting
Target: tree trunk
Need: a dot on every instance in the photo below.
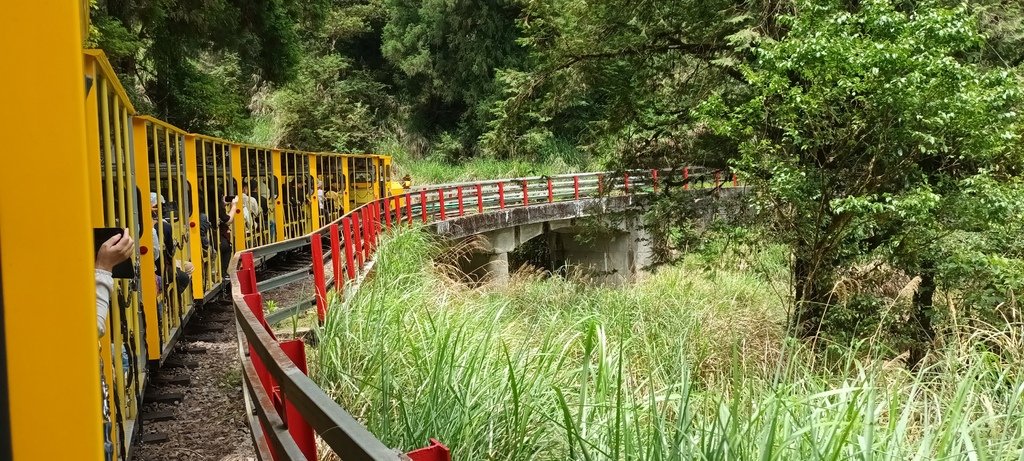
(810, 296)
(922, 331)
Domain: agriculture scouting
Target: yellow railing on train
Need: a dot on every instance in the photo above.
(114, 203)
(192, 201)
(172, 189)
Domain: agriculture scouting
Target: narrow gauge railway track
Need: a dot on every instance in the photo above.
(193, 408)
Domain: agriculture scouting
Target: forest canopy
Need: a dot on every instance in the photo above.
(879, 135)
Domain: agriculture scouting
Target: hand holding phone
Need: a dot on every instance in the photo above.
(113, 253)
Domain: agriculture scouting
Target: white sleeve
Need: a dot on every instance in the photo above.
(156, 243)
(104, 286)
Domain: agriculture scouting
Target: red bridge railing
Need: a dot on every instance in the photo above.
(287, 410)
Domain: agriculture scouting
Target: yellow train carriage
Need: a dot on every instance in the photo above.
(115, 203)
(177, 193)
(166, 178)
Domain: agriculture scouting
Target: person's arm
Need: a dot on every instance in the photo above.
(115, 250)
(104, 286)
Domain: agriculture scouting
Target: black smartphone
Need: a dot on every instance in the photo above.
(124, 270)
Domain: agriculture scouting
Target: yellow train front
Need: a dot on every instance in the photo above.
(190, 201)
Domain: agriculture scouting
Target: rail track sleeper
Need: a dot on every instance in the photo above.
(155, 438)
(175, 380)
(179, 363)
(194, 350)
(166, 397)
(154, 416)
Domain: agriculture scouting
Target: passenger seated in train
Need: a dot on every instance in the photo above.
(335, 195)
(164, 251)
(251, 211)
(224, 232)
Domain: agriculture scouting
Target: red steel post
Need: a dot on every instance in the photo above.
(375, 211)
(526, 194)
(357, 236)
(367, 230)
(576, 187)
(247, 274)
(625, 182)
(735, 180)
(551, 191)
(440, 201)
(387, 212)
(408, 207)
(423, 205)
(346, 227)
(654, 179)
(462, 211)
(479, 198)
(398, 209)
(436, 451)
(501, 195)
(339, 277)
(686, 178)
(319, 284)
(298, 428)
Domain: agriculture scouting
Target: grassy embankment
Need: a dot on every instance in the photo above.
(689, 363)
(435, 169)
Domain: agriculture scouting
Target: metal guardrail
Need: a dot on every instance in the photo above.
(286, 407)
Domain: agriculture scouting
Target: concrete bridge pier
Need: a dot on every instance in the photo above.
(613, 256)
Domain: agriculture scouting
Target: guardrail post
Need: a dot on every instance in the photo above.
(686, 178)
(423, 205)
(551, 192)
(375, 229)
(436, 451)
(408, 207)
(501, 195)
(600, 184)
(735, 180)
(398, 210)
(462, 211)
(319, 284)
(625, 182)
(357, 237)
(526, 193)
(367, 226)
(479, 198)
(654, 179)
(339, 277)
(298, 427)
(576, 187)
(440, 201)
(247, 274)
(387, 212)
(346, 224)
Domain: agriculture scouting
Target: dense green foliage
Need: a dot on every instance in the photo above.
(883, 136)
(687, 364)
(866, 135)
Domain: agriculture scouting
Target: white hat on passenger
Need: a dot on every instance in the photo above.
(153, 199)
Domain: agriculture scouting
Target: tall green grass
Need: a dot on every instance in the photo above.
(688, 363)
